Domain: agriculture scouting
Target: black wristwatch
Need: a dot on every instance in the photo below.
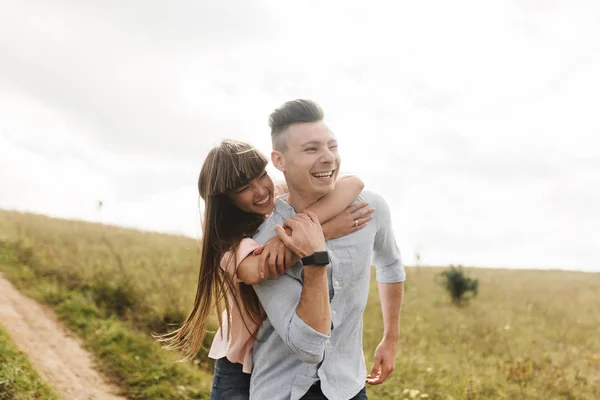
(318, 258)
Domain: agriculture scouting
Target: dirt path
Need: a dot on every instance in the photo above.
(53, 351)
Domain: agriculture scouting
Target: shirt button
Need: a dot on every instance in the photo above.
(337, 283)
(327, 341)
(332, 312)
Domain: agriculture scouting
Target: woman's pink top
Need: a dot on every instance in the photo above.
(238, 348)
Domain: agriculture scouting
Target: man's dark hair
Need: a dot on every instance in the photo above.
(292, 112)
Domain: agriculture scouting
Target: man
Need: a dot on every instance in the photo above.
(310, 345)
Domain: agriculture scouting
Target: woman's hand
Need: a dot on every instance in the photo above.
(350, 220)
(307, 235)
(275, 258)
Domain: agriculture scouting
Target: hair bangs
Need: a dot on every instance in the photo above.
(229, 166)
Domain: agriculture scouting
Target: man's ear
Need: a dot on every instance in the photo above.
(277, 160)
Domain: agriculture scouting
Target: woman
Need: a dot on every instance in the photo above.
(238, 194)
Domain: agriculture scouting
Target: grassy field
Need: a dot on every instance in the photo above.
(528, 335)
(111, 297)
(18, 379)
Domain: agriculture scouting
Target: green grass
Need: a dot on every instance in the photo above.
(527, 335)
(110, 308)
(18, 379)
(132, 358)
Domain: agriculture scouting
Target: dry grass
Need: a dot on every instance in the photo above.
(147, 278)
(528, 335)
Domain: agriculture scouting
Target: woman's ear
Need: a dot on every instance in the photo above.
(278, 160)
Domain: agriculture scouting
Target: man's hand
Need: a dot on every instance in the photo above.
(307, 235)
(307, 238)
(384, 362)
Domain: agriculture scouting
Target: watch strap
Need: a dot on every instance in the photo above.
(318, 258)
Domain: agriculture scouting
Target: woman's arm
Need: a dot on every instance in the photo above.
(274, 258)
(257, 265)
(248, 271)
(350, 220)
(347, 188)
(232, 262)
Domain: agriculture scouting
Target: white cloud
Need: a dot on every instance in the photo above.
(475, 119)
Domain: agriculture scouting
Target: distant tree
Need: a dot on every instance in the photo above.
(458, 285)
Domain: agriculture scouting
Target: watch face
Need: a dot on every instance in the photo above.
(321, 258)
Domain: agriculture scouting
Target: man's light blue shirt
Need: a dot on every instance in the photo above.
(289, 356)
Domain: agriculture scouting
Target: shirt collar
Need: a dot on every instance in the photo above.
(282, 208)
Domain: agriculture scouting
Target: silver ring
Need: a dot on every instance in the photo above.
(355, 223)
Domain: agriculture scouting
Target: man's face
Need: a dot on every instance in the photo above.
(311, 162)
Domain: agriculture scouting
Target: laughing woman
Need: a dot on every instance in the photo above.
(238, 195)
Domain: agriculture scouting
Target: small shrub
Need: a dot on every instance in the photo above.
(118, 296)
(458, 284)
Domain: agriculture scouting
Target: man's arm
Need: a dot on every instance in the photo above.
(307, 238)
(390, 295)
(384, 361)
(390, 277)
(299, 312)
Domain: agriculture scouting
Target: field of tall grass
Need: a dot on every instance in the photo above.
(528, 334)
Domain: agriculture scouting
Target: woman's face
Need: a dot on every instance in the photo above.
(256, 197)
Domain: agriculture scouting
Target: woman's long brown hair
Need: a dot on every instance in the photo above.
(227, 167)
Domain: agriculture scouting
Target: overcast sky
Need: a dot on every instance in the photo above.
(477, 120)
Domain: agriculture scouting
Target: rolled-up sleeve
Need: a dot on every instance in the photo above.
(386, 255)
(280, 299)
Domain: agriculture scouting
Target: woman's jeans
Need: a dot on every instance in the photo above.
(229, 382)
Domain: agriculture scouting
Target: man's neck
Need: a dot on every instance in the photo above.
(301, 200)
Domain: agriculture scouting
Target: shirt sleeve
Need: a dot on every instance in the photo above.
(231, 264)
(280, 298)
(386, 255)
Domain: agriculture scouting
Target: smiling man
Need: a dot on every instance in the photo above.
(310, 344)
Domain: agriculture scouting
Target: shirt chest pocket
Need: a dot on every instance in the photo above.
(350, 265)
